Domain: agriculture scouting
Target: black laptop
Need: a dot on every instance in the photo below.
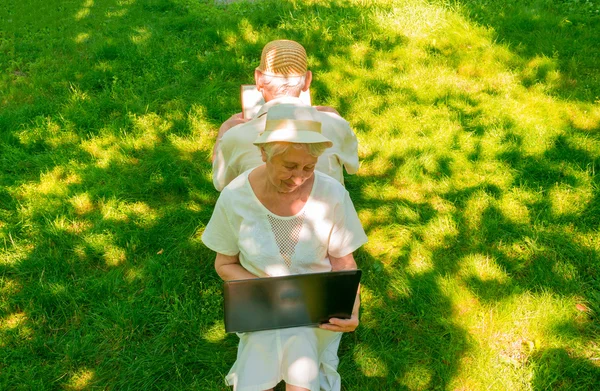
(289, 301)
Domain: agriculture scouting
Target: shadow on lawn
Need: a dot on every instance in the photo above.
(549, 37)
(409, 339)
(423, 330)
(115, 283)
(131, 291)
(557, 369)
(105, 288)
(558, 262)
(111, 282)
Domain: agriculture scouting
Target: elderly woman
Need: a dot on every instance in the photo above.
(283, 217)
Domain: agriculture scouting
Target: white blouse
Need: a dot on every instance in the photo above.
(272, 245)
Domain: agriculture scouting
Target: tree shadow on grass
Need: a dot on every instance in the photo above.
(558, 369)
(406, 339)
(110, 281)
(549, 37)
(132, 274)
(125, 287)
(407, 335)
(534, 259)
(547, 255)
(114, 284)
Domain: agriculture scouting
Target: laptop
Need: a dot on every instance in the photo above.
(289, 301)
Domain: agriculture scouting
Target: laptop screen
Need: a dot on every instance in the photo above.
(289, 301)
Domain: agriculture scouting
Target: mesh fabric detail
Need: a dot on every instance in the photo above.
(287, 233)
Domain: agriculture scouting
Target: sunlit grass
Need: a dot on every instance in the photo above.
(478, 135)
(80, 380)
(367, 359)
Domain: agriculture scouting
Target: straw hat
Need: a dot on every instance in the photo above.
(292, 123)
(283, 58)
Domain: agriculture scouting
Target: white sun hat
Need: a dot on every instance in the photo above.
(292, 123)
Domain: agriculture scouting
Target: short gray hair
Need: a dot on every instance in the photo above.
(280, 147)
(283, 85)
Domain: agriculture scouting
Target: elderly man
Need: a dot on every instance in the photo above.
(281, 76)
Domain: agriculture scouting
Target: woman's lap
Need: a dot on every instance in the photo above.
(266, 357)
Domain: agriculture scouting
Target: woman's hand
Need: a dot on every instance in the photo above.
(342, 325)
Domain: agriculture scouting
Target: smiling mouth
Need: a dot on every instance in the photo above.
(290, 185)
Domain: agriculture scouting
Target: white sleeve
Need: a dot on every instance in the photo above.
(219, 234)
(349, 150)
(347, 234)
(219, 167)
(223, 166)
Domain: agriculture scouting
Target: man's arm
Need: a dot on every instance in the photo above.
(223, 166)
(349, 150)
(234, 120)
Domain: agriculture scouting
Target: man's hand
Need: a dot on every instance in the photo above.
(232, 121)
(327, 109)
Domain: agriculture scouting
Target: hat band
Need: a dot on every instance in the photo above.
(282, 75)
(292, 124)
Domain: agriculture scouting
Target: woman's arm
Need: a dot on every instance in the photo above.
(229, 268)
(345, 325)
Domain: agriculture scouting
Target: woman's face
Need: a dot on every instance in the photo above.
(289, 170)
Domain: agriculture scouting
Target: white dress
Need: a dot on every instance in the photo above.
(271, 245)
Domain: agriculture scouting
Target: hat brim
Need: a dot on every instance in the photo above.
(292, 136)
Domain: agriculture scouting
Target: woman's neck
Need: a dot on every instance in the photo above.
(279, 203)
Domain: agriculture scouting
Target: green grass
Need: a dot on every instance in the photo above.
(479, 131)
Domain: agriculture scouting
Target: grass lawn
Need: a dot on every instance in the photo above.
(479, 189)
